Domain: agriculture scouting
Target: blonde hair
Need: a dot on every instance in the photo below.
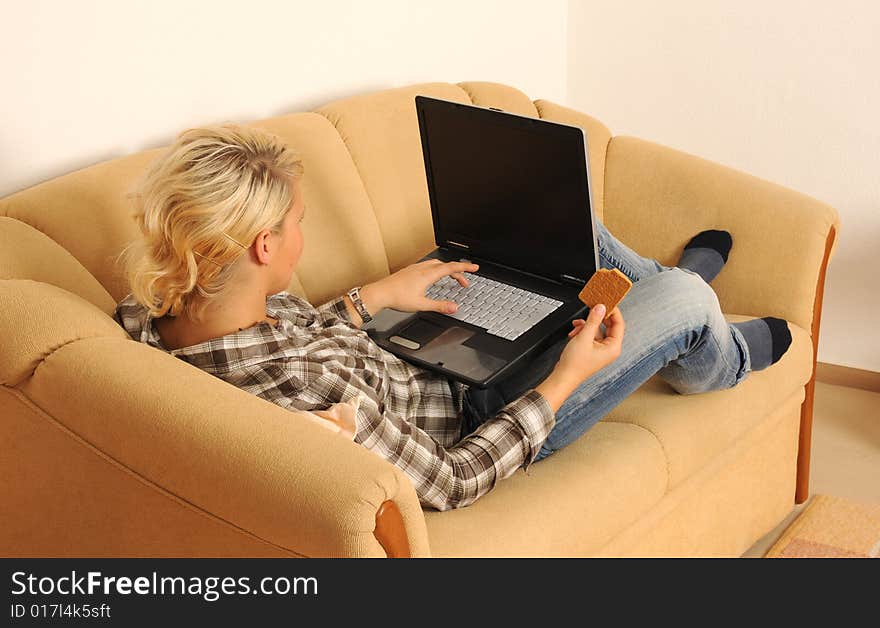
(198, 208)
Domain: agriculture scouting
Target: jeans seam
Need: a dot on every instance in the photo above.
(594, 396)
(727, 364)
(617, 263)
(730, 367)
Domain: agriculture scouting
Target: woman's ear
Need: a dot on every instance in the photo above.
(263, 247)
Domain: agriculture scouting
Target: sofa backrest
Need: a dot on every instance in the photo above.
(369, 213)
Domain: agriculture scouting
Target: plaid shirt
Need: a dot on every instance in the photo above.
(410, 416)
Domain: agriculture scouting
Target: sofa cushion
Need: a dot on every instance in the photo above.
(504, 97)
(569, 504)
(695, 429)
(26, 253)
(88, 212)
(659, 197)
(37, 318)
(735, 499)
(381, 132)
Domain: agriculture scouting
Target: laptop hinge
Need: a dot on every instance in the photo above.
(575, 281)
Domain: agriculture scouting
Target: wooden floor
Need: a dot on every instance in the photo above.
(845, 454)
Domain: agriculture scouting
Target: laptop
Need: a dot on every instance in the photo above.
(512, 194)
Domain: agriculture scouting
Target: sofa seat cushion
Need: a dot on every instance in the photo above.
(569, 504)
(695, 429)
(580, 497)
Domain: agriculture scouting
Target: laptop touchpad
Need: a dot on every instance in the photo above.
(421, 331)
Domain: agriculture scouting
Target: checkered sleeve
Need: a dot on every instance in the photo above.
(330, 313)
(333, 311)
(456, 476)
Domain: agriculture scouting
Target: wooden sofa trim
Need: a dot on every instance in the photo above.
(802, 489)
(390, 531)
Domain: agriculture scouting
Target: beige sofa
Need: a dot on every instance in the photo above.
(112, 448)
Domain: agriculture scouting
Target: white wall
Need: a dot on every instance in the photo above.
(787, 90)
(88, 80)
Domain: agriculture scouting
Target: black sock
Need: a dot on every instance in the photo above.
(768, 339)
(706, 253)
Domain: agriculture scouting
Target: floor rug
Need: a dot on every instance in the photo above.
(831, 527)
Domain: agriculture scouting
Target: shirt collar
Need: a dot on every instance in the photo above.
(150, 336)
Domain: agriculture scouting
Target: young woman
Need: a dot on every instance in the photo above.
(220, 216)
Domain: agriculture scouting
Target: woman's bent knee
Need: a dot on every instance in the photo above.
(690, 295)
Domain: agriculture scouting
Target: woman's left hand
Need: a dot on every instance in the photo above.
(405, 289)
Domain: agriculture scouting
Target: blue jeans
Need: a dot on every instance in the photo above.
(674, 328)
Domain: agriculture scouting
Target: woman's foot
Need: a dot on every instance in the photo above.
(706, 253)
(768, 339)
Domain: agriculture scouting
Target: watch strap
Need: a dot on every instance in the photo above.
(355, 296)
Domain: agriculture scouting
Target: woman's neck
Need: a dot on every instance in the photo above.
(220, 320)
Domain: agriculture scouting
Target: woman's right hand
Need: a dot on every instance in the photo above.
(589, 350)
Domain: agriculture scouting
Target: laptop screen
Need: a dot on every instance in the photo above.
(513, 190)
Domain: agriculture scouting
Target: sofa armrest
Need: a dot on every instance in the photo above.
(233, 456)
(657, 198)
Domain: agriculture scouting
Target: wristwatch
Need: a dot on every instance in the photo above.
(355, 296)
